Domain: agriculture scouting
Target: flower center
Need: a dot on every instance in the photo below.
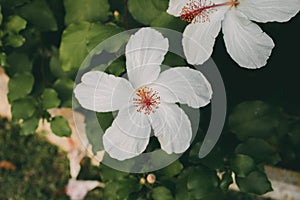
(201, 9)
(147, 100)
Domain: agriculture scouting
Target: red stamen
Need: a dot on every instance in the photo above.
(199, 10)
(148, 100)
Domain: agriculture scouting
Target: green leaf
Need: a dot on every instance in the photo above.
(128, 186)
(201, 182)
(1, 16)
(168, 21)
(29, 126)
(3, 60)
(79, 39)
(60, 127)
(86, 10)
(147, 10)
(39, 14)
(20, 85)
(161, 193)
(259, 150)
(50, 98)
(23, 108)
(253, 119)
(116, 68)
(242, 165)
(14, 40)
(171, 170)
(64, 88)
(256, 182)
(56, 68)
(109, 174)
(105, 120)
(15, 24)
(19, 62)
(99, 32)
(173, 60)
(110, 190)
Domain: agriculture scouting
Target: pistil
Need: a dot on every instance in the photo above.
(147, 100)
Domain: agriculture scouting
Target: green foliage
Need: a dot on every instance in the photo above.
(86, 10)
(162, 193)
(146, 11)
(50, 99)
(260, 150)
(256, 182)
(20, 85)
(38, 13)
(253, 119)
(23, 108)
(79, 39)
(60, 127)
(242, 165)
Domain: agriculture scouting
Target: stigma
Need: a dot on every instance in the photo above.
(147, 100)
(199, 10)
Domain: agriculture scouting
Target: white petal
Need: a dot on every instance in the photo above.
(172, 127)
(246, 43)
(5, 106)
(145, 52)
(269, 10)
(199, 38)
(175, 7)
(183, 85)
(77, 190)
(101, 92)
(128, 136)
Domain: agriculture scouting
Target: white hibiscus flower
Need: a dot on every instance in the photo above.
(146, 100)
(246, 43)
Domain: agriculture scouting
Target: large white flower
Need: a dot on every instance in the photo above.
(246, 43)
(146, 100)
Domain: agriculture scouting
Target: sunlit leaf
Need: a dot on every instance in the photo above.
(50, 98)
(147, 10)
(14, 40)
(78, 39)
(15, 24)
(86, 10)
(60, 127)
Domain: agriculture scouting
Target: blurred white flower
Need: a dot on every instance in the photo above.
(77, 190)
(146, 100)
(4, 104)
(246, 43)
(77, 145)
